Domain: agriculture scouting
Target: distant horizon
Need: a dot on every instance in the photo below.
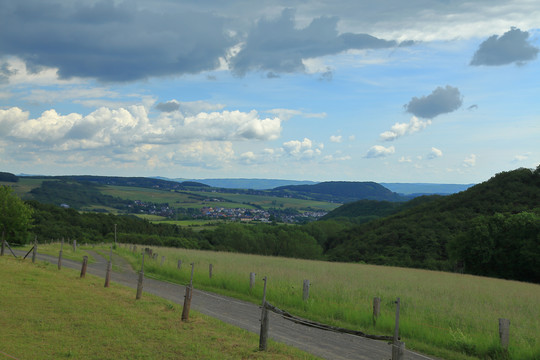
(244, 178)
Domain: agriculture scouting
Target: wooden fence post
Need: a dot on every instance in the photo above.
(162, 260)
(263, 336)
(109, 268)
(34, 253)
(60, 254)
(251, 280)
(504, 332)
(398, 347)
(3, 243)
(305, 293)
(210, 267)
(376, 309)
(74, 245)
(264, 291)
(188, 296)
(140, 281)
(84, 265)
(179, 266)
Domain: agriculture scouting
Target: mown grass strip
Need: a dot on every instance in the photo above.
(51, 314)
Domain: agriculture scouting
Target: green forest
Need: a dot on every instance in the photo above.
(491, 229)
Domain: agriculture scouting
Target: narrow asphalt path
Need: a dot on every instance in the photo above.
(322, 343)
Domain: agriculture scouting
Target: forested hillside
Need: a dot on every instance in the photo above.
(472, 231)
(340, 191)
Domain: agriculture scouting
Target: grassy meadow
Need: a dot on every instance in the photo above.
(451, 316)
(51, 314)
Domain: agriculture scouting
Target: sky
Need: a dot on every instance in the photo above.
(431, 91)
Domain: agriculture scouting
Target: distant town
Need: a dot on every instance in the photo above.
(238, 214)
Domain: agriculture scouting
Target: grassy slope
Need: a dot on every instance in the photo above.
(48, 314)
(444, 314)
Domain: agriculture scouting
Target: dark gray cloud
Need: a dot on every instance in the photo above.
(440, 101)
(277, 45)
(111, 42)
(511, 47)
(168, 106)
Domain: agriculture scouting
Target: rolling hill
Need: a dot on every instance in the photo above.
(495, 224)
(340, 191)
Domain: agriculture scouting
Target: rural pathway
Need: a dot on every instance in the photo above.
(322, 343)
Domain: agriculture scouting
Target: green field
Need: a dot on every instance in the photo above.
(23, 186)
(448, 315)
(192, 199)
(51, 314)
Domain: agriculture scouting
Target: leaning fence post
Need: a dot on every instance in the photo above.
(263, 336)
(109, 268)
(187, 298)
(84, 265)
(34, 253)
(141, 279)
(376, 309)
(504, 332)
(398, 347)
(305, 293)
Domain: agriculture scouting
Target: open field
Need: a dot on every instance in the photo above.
(51, 314)
(194, 199)
(448, 315)
(23, 186)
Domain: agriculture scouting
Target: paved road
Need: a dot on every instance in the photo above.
(325, 344)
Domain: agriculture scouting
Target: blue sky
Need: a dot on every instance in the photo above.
(391, 91)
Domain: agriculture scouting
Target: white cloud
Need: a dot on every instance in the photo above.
(400, 129)
(522, 157)
(405, 159)
(434, 153)
(302, 149)
(336, 138)
(379, 151)
(49, 127)
(470, 161)
(286, 114)
(10, 117)
(130, 135)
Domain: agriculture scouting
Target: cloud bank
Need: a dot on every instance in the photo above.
(126, 134)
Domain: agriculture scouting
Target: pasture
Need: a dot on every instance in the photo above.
(452, 316)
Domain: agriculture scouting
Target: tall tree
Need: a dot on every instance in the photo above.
(15, 216)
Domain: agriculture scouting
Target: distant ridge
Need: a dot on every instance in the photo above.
(343, 191)
(242, 183)
(426, 188)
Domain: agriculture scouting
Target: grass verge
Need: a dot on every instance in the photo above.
(48, 314)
